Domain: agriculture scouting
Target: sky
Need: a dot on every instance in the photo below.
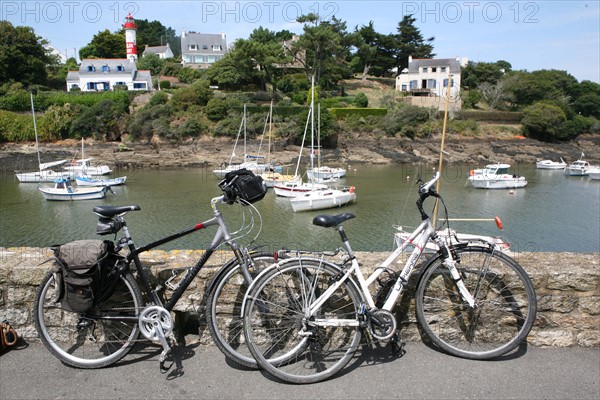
(531, 35)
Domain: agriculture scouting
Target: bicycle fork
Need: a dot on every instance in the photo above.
(450, 263)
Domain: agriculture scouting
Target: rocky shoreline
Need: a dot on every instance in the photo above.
(352, 149)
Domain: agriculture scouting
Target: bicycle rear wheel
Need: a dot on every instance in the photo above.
(90, 340)
(285, 339)
(505, 304)
(224, 307)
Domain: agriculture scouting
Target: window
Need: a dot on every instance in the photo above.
(120, 68)
(424, 69)
(217, 47)
(414, 84)
(193, 47)
(105, 68)
(443, 69)
(404, 87)
(204, 47)
(433, 69)
(139, 85)
(91, 86)
(446, 82)
(91, 68)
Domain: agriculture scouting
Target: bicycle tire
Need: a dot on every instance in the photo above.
(286, 344)
(505, 304)
(88, 341)
(223, 316)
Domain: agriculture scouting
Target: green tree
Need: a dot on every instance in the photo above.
(361, 100)
(323, 49)
(476, 73)
(588, 105)
(105, 45)
(365, 40)
(151, 62)
(23, 57)
(531, 87)
(56, 121)
(154, 33)
(543, 121)
(103, 121)
(410, 42)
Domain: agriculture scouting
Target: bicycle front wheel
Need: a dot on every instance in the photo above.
(504, 311)
(224, 308)
(286, 338)
(92, 340)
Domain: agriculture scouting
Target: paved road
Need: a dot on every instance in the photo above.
(422, 373)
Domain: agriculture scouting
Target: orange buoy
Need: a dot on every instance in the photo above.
(472, 172)
(499, 223)
(351, 189)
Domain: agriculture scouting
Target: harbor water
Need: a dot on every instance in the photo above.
(553, 213)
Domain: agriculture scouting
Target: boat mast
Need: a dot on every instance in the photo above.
(437, 185)
(245, 152)
(37, 143)
(312, 122)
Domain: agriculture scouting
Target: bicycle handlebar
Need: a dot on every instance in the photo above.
(426, 190)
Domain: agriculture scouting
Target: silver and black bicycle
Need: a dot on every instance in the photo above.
(303, 317)
(134, 304)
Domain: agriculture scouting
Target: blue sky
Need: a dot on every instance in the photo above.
(531, 35)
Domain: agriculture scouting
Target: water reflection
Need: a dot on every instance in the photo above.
(552, 213)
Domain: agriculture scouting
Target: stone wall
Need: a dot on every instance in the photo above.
(567, 286)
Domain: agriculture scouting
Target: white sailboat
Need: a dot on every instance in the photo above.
(320, 198)
(44, 173)
(250, 162)
(83, 166)
(273, 176)
(63, 191)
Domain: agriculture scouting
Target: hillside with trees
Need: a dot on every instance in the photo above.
(354, 72)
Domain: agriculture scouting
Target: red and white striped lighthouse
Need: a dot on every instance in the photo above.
(130, 41)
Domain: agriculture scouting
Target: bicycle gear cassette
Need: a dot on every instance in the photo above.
(382, 324)
(154, 318)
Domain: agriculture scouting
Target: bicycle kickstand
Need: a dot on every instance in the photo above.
(397, 345)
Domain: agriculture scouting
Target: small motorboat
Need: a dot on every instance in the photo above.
(549, 164)
(578, 168)
(85, 180)
(495, 176)
(63, 190)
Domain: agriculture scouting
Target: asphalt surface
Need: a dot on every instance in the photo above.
(421, 373)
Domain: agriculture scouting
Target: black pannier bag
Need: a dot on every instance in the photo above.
(85, 266)
(244, 185)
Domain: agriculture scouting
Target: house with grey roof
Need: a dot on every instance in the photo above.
(101, 74)
(201, 50)
(161, 51)
(426, 81)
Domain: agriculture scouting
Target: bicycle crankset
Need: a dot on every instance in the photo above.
(154, 322)
(382, 324)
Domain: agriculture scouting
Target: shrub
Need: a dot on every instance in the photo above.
(342, 113)
(16, 127)
(164, 85)
(361, 100)
(575, 127)
(543, 121)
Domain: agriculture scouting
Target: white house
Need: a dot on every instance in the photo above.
(161, 51)
(100, 74)
(426, 81)
(201, 50)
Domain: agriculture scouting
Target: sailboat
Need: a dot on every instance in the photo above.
(273, 175)
(297, 186)
(312, 195)
(323, 173)
(250, 162)
(44, 173)
(83, 166)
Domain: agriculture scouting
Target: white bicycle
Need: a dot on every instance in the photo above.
(304, 317)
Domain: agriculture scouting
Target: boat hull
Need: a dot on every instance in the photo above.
(43, 176)
(296, 188)
(325, 173)
(322, 199)
(498, 183)
(87, 181)
(548, 164)
(77, 194)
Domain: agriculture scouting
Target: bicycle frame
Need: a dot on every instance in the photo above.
(418, 238)
(221, 236)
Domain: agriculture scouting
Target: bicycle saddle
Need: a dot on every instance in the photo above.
(329, 221)
(111, 211)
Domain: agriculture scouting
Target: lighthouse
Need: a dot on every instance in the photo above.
(130, 41)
